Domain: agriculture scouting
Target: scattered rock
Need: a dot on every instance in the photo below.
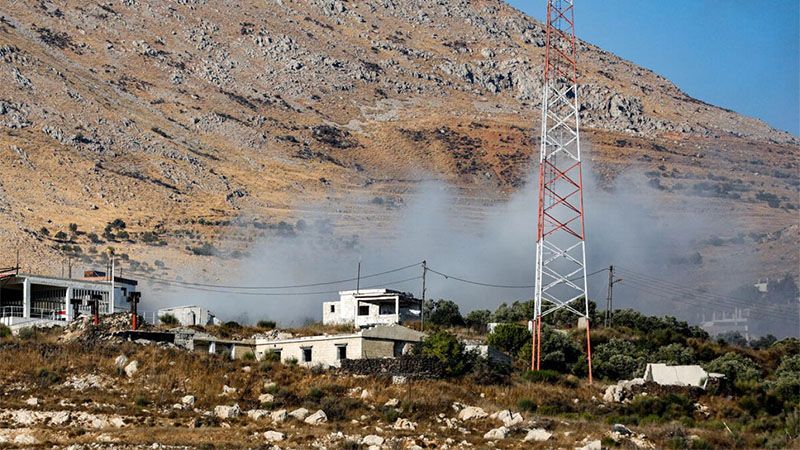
(537, 435)
(618, 392)
(274, 436)
(279, 415)
(472, 413)
(299, 413)
(404, 424)
(372, 439)
(496, 434)
(227, 412)
(509, 419)
(621, 429)
(364, 394)
(121, 361)
(25, 439)
(266, 398)
(257, 414)
(33, 401)
(317, 418)
(392, 403)
(592, 445)
(131, 368)
(227, 390)
(188, 400)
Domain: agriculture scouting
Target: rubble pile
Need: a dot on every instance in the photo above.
(84, 330)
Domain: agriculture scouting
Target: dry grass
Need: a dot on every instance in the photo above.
(39, 367)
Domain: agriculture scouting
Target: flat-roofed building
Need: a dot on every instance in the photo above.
(27, 299)
(190, 315)
(383, 341)
(369, 307)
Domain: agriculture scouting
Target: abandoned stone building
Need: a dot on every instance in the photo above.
(383, 341)
(190, 315)
(28, 299)
(369, 307)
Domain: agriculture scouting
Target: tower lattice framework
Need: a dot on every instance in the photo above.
(560, 245)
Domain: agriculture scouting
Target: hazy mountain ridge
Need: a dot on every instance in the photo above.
(165, 112)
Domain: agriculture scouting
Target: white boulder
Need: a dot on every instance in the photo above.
(227, 412)
(372, 439)
(496, 434)
(537, 435)
(132, 368)
(274, 436)
(299, 413)
(472, 413)
(316, 418)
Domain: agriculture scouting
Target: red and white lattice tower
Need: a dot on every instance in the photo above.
(560, 244)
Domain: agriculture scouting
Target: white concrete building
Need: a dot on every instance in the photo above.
(369, 307)
(27, 299)
(190, 315)
(328, 350)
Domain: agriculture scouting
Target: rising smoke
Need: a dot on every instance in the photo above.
(623, 222)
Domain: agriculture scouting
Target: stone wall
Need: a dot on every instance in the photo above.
(404, 366)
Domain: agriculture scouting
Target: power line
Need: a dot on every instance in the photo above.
(502, 286)
(295, 286)
(670, 295)
(267, 294)
(653, 282)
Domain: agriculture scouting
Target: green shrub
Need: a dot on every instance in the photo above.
(4, 331)
(271, 357)
(47, 377)
(485, 372)
(527, 405)
(266, 324)
(542, 376)
(141, 401)
(478, 319)
(448, 350)
(249, 356)
(61, 236)
(669, 407)
(442, 312)
(168, 319)
(675, 354)
(735, 367)
(27, 333)
(509, 337)
(618, 359)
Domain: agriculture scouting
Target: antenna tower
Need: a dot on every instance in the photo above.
(560, 243)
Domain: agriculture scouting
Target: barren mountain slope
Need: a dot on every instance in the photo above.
(194, 119)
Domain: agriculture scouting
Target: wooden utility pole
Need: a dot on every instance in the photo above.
(422, 305)
(358, 278)
(610, 296)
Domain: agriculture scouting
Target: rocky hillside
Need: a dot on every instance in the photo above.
(195, 119)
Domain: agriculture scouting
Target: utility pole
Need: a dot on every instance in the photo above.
(422, 305)
(358, 278)
(610, 296)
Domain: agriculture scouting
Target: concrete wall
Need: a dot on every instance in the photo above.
(324, 349)
(189, 315)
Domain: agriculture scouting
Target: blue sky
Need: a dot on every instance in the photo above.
(739, 54)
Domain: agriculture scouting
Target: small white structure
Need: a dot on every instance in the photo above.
(369, 307)
(665, 375)
(328, 350)
(190, 315)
